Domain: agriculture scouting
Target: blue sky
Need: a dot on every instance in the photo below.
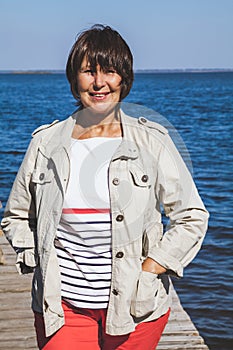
(162, 34)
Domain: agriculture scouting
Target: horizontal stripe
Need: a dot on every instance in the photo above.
(100, 261)
(77, 235)
(86, 273)
(89, 304)
(77, 248)
(88, 280)
(79, 251)
(85, 264)
(98, 237)
(84, 287)
(107, 222)
(85, 211)
(71, 225)
(91, 288)
(97, 258)
(101, 267)
(86, 245)
(90, 251)
(83, 296)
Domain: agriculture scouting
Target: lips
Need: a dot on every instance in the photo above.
(99, 95)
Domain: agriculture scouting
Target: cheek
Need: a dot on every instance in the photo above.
(82, 83)
(117, 84)
(119, 81)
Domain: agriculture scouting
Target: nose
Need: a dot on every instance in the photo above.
(99, 79)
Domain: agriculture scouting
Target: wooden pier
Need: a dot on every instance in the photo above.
(16, 318)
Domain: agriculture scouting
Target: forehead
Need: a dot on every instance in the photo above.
(85, 62)
(99, 60)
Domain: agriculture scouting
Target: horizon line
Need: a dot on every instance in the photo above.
(139, 70)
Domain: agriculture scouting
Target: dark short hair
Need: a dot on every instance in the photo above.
(104, 46)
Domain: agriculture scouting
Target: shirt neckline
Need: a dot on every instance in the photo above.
(97, 138)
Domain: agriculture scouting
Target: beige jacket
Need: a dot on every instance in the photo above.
(145, 172)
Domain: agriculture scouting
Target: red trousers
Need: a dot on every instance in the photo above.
(84, 329)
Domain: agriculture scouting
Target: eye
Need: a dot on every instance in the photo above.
(111, 71)
(89, 71)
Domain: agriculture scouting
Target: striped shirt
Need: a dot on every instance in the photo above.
(83, 241)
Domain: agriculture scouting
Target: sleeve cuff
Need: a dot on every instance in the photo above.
(170, 263)
(26, 261)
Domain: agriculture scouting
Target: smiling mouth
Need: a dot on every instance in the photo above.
(99, 95)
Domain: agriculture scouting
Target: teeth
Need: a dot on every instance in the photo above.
(98, 95)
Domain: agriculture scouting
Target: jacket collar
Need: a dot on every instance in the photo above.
(61, 139)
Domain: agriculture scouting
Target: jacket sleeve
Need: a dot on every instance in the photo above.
(188, 218)
(19, 221)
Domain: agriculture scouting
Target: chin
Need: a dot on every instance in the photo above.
(103, 108)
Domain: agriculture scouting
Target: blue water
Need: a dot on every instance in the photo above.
(200, 107)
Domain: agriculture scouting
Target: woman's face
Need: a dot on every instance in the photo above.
(98, 90)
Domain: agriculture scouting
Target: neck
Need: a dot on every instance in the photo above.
(86, 118)
(96, 125)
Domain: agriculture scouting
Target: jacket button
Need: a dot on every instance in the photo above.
(116, 181)
(119, 255)
(115, 292)
(41, 177)
(119, 218)
(145, 178)
(143, 120)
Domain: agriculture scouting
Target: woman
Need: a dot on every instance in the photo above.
(84, 212)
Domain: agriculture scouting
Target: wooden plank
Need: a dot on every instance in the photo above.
(16, 317)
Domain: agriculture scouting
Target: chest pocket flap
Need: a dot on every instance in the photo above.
(141, 178)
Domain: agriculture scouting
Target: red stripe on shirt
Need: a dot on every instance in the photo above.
(85, 211)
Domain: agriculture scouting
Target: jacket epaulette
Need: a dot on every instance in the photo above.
(43, 127)
(152, 125)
